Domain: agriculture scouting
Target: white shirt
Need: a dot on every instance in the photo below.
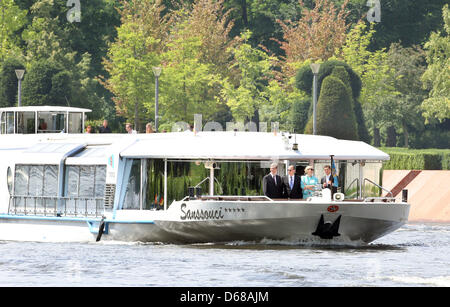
(274, 179)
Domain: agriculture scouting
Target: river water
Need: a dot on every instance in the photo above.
(414, 255)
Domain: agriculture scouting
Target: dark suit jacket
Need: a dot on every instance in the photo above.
(270, 189)
(296, 191)
(331, 187)
(104, 130)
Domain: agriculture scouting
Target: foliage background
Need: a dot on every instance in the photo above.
(234, 60)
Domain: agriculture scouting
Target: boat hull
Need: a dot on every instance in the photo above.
(360, 223)
(220, 221)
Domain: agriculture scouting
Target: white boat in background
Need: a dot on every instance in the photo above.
(185, 188)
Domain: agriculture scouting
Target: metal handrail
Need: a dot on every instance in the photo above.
(54, 209)
(208, 178)
(377, 185)
(389, 199)
(196, 186)
(357, 190)
(232, 197)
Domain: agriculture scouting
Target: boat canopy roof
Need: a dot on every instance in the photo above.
(48, 153)
(44, 109)
(97, 148)
(248, 146)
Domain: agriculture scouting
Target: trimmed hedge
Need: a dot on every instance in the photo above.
(335, 115)
(417, 159)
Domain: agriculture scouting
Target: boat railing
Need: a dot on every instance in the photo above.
(357, 189)
(57, 206)
(382, 199)
(378, 186)
(230, 198)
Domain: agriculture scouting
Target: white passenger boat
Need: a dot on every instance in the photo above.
(183, 187)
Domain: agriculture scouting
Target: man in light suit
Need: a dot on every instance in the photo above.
(272, 183)
(292, 185)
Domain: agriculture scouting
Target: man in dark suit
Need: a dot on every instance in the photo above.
(272, 183)
(328, 181)
(292, 186)
(104, 128)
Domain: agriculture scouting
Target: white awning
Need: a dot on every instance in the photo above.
(248, 146)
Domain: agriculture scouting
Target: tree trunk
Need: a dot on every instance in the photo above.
(244, 13)
(376, 137)
(136, 115)
(391, 139)
(405, 134)
(255, 118)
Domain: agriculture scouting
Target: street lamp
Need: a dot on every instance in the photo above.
(19, 74)
(315, 70)
(157, 72)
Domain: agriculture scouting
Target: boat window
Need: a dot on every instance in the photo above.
(33, 188)
(133, 188)
(372, 171)
(9, 180)
(21, 180)
(36, 180)
(3, 123)
(51, 122)
(234, 178)
(349, 172)
(10, 122)
(26, 122)
(75, 123)
(100, 181)
(86, 181)
(50, 180)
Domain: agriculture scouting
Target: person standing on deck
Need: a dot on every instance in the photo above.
(292, 186)
(104, 128)
(309, 182)
(329, 181)
(129, 129)
(273, 185)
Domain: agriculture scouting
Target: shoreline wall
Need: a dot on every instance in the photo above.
(428, 193)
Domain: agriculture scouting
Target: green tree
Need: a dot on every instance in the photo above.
(48, 44)
(437, 76)
(261, 18)
(188, 84)
(299, 114)
(196, 61)
(285, 106)
(37, 83)
(377, 78)
(140, 41)
(408, 65)
(407, 22)
(250, 94)
(12, 18)
(8, 82)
